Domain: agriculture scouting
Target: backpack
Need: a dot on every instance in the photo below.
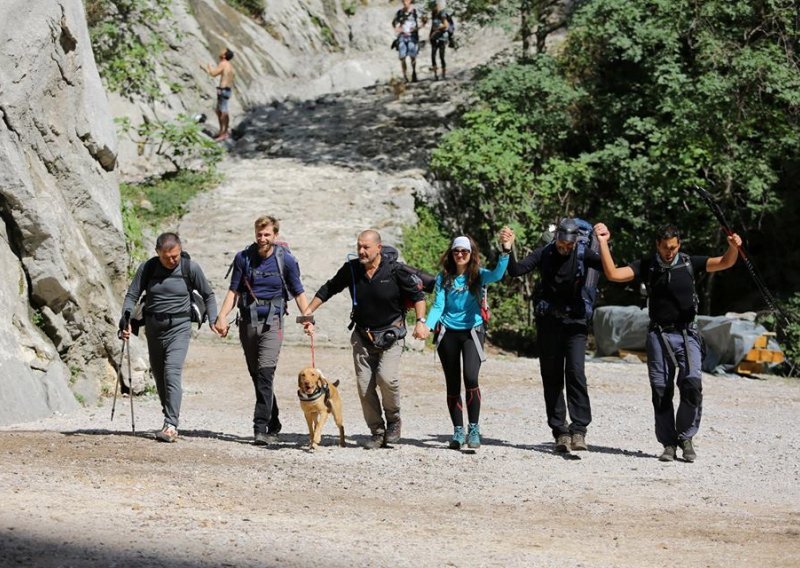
(451, 30)
(248, 254)
(424, 281)
(197, 304)
(401, 16)
(655, 271)
(585, 277)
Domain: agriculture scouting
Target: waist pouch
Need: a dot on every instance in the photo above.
(384, 337)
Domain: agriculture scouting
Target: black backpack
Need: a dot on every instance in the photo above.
(586, 278)
(656, 271)
(197, 304)
(425, 281)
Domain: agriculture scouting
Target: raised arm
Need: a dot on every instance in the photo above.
(610, 269)
(717, 263)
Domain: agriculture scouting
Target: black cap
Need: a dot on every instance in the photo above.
(567, 230)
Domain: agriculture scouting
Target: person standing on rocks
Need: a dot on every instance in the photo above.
(167, 280)
(673, 341)
(406, 26)
(265, 276)
(378, 291)
(223, 70)
(561, 331)
(456, 310)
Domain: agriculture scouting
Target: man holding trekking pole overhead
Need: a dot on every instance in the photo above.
(168, 281)
(673, 341)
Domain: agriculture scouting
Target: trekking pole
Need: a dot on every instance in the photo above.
(119, 379)
(130, 389)
(119, 367)
(769, 298)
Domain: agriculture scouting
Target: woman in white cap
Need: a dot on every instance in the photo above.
(457, 312)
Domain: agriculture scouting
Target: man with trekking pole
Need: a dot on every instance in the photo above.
(168, 282)
(673, 340)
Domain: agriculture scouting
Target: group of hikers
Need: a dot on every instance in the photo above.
(266, 276)
(406, 24)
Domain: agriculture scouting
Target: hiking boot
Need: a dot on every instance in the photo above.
(563, 443)
(375, 441)
(168, 433)
(689, 454)
(578, 442)
(414, 77)
(260, 439)
(668, 454)
(459, 438)
(473, 436)
(392, 435)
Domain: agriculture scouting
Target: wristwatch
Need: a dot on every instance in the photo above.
(420, 320)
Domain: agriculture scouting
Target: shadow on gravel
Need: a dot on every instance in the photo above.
(28, 550)
(368, 129)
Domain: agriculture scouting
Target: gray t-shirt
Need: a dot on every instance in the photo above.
(167, 292)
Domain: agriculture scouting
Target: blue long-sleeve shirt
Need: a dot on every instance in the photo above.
(455, 306)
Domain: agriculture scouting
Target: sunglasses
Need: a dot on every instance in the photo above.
(460, 252)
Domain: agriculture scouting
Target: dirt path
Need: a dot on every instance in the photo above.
(80, 491)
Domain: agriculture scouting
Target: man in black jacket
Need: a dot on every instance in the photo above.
(561, 331)
(673, 341)
(378, 291)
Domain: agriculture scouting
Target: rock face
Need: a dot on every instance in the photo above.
(61, 241)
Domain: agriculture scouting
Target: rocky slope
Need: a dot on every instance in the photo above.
(61, 240)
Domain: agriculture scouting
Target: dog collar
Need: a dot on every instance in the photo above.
(313, 396)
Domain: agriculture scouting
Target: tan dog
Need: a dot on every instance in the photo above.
(318, 398)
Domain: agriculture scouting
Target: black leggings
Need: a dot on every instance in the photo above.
(455, 346)
(439, 46)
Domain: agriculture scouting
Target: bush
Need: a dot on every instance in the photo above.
(253, 8)
(127, 46)
(182, 142)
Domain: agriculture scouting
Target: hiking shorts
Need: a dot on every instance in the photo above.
(223, 99)
(407, 46)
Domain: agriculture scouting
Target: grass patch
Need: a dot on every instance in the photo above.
(155, 202)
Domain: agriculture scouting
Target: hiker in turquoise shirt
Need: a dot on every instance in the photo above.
(458, 315)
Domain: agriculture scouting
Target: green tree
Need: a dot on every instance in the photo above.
(646, 99)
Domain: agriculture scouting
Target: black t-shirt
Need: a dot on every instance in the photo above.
(559, 285)
(380, 300)
(671, 290)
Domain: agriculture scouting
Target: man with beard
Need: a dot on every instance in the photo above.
(378, 291)
(265, 276)
(561, 330)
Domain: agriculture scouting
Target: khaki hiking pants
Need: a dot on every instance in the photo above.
(377, 369)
